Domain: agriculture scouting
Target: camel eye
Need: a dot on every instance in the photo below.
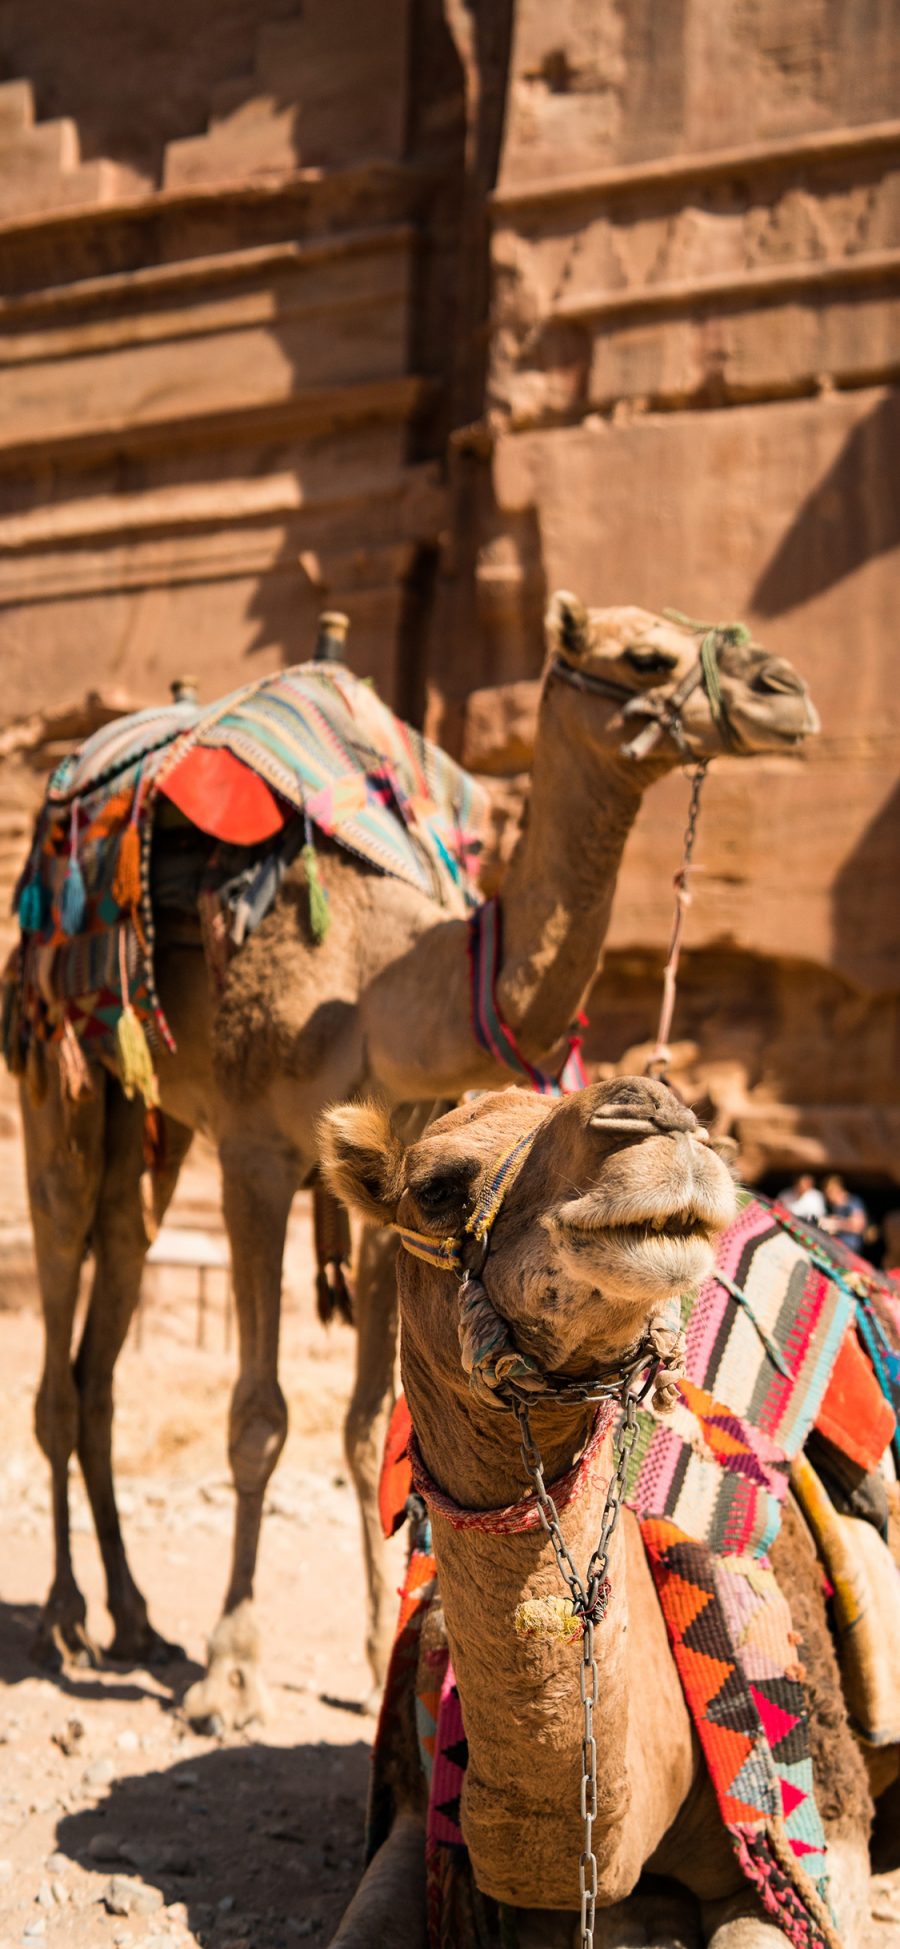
(649, 660)
(444, 1195)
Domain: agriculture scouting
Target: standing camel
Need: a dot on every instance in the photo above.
(615, 1209)
(382, 1003)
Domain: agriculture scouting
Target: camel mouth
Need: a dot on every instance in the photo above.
(675, 1224)
(620, 1240)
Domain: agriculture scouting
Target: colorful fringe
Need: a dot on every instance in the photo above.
(320, 738)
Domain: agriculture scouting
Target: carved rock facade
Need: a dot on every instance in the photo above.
(421, 311)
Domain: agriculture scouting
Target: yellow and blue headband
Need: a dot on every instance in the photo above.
(448, 1254)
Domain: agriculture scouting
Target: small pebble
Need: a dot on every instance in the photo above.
(128, 1741)
(105, 1846)
(60, 1893)
(226, 1905)
(182, 1780)
(43, 1896)
(58, 1863)
(122, 1896)
(100, 1774)
(33, 1931)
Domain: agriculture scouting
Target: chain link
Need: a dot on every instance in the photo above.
(589, 1602)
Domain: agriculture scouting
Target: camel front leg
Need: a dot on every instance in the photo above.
(120, 1245)
(366, 1426)
(258, 1188)
(64, 1165)
(388, 1909)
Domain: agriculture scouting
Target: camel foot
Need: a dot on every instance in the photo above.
(60, 1646)
(139, 1644)
(232, 1693)
(738, 1922)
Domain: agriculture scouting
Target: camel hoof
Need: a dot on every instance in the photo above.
(59, 1647)
(230, 1697)
(141, 1645)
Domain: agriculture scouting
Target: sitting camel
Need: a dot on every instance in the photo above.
(615, 1208)
(383, 1002)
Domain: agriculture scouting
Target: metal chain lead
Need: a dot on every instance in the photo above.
(589, 1601)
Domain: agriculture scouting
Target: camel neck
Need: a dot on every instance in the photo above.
(558, 891)
(520, 1697)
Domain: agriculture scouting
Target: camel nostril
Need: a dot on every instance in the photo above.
(778, 676)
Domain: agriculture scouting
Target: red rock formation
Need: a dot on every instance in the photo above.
(422, 310)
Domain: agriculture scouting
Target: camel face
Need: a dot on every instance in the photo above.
(768, 706)
(615, 1208)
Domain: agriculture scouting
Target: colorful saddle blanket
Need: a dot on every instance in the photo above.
(773, 1349)
(313, 741)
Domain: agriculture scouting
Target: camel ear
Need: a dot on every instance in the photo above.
(361, 1159)
(568, 624)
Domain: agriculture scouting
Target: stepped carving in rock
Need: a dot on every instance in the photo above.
(40, 162)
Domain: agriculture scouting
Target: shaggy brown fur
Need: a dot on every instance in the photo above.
(842, 1784)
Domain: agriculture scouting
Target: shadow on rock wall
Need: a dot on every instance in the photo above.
(865, 911)
(853, 514)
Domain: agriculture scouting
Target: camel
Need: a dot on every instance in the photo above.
(382, 1003)
(615, 1208)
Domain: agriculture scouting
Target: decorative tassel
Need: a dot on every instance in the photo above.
(670, 1346)
(33, 907)
(127, 879)
(550, 1619)
(76, 1077)
(319, 916)
(136, 1072)
(73, 898)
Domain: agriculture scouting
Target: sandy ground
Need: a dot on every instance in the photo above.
(118, 1825)
(244, 1840)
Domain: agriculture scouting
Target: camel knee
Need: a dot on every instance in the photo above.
(257, 1433)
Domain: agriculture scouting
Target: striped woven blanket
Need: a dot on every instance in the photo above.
(320, 746)
(773, 1349)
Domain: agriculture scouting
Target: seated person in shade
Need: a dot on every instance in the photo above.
(846, 1217)
(803, 1199)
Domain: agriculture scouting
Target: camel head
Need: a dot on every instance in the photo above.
(765, 704)
(614, 1209)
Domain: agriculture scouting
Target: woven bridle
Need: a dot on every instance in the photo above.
(500, 1374)
(666, 714)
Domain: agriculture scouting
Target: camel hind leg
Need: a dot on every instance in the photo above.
(64, 1168)
(259, 1181)
(119, 1241)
